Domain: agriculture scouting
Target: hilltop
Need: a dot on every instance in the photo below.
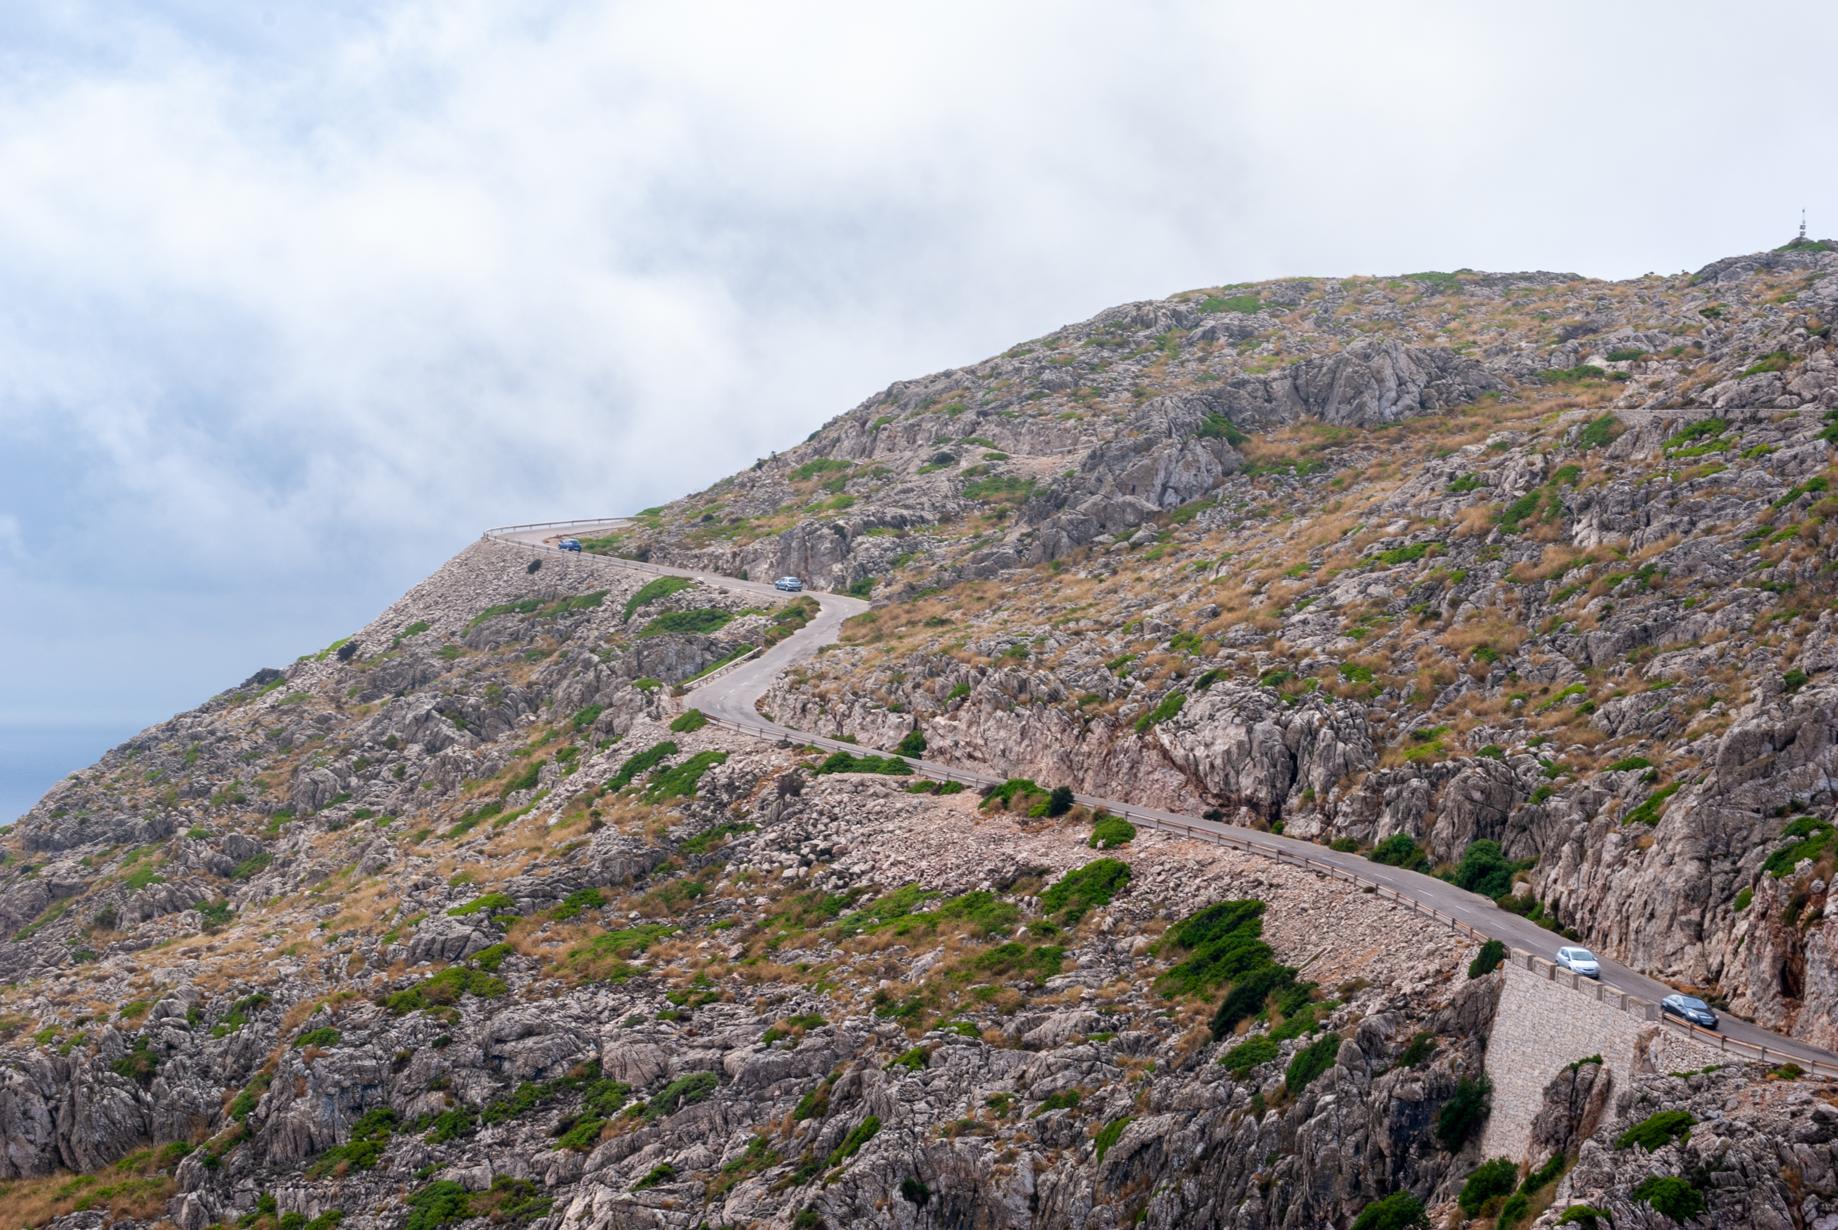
(1523, 579)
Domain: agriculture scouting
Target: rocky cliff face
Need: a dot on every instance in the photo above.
(464, 919)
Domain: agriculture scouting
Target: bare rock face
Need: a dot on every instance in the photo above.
(1170, 452)
(1367, 384)
(1574, 1104)
(1247, 749)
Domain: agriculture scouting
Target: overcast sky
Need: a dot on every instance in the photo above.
(294, 300)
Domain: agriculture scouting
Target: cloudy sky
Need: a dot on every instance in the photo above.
(295, 299)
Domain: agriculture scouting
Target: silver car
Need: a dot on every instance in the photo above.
(1579, 961)
(790, 585)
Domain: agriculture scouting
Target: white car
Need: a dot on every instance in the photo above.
(1579, 961)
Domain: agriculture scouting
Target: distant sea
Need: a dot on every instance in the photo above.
(35, 758)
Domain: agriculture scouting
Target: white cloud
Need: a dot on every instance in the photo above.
(293, 309)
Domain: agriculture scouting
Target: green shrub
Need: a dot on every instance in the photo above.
(651, 591)
(1464, 1113)
(1491, 956)
(440, 1203)
(680, 781)
(1084, 889)
(1108, 832)
(698, 622)
(1418, 1050)
(913, 743)
(1398, 1211)
(1649, 809)
(1311, 1061)
(1658, 1130)
(1218, 427)
(860, 1135)
(1169, 706)
(1514, 1212)
(1671, 1196)
(1599, 433)
(489, 903)
(1246, 304)
(1808, 838)
(1400, 850)
(325, 1035)
(1585, 1215)
(1249, 1055)
(362, 1149)
(1485, 869)
(688, 720)
(1060, 801)
(681, 1092)
(847, 762)
(1496, 1177)
(639, 763)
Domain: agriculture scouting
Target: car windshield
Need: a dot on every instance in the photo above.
(1581, 954)
(1696, 1005)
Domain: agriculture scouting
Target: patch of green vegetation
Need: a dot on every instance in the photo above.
(1249, 1055)
(1649, 809)
(1464, 1113)
(820, 465)
(1599, 433)
(361, 1150)
(1808, 838)
(680, 781)
(1657, 1131)
(698, 622)
(1167, 708)
(999, 489)
(1400, 850)
(1775, 361)
(1311, 1061)
(1245, 304)
(1490, 1180)
(552, 608)
(1406, 554)
(324, 1035)
(1218, 427)
(604, 956)
(851, 762)
(488, 903)
(652, 591)
(1491, 956)
(1109, 832)
(444, 989)
(1695, 435)
(1398, 1211)
(1671, 1196)
(640, 762)
(1572, 375)
(1083, 889)
(679, 1093)
(1485, 869)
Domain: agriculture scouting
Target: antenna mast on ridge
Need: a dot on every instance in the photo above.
(1802, 222)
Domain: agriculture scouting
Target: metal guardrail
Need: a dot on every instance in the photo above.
(690, 685)
(1633, 1005)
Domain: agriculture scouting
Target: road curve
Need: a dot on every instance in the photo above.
(732, 696)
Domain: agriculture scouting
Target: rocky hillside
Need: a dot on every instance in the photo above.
(469, 920)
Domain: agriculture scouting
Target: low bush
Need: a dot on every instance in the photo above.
(1464, 1113)
(1311, 1061)
(1398, 1211)
(1083, 889)
(1108, 832)
(849, 762)
(1491, 956)
(1491, 1179)
(1671, 1196)
(1657, 1131)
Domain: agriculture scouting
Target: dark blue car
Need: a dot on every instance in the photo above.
(569, 544)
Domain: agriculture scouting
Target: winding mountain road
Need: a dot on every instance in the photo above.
(731, 695)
